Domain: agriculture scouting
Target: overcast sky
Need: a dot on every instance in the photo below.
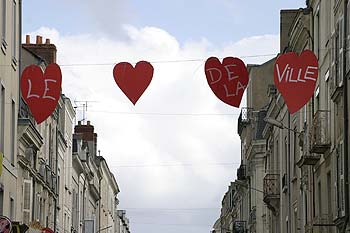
(176, 151)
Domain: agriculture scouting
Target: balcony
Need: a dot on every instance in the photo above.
(242, 172)
(320, 136)
(307, 157)
(244, 119)
(239, 227)
(24, 112)
(272, 191)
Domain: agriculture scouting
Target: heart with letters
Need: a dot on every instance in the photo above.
(228, 79)
(41, 91)
(133, 81)
(295, 77)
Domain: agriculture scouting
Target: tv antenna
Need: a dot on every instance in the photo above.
(83, 104)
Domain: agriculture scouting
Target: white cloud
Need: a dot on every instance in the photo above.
(177, 87)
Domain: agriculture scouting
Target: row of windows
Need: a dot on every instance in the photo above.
(9, 11)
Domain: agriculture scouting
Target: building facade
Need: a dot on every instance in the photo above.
(9, 102)
(42, 151)
(304, 183)
(94, 186)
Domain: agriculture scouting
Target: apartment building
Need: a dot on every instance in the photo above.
(122, 223)
(305, 178)
(43, 150)
(242, 205)
(9, 101)
(94, 187)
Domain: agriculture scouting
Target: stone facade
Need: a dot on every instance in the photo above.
(304, 156)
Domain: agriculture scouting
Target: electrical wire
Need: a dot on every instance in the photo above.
(172, 224)
(165, 114)
(158, 61)
(169, 165)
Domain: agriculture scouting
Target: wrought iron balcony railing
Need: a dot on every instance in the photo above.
(320, 134)
(244, 119)
(242, 172)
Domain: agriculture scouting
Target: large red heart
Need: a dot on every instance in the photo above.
(133, 81)
(295, 77)
(227, 80)
(41, 91)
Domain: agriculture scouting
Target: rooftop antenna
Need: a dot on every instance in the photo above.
(84, 105)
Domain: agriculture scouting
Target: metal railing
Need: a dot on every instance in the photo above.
(242, 172)
(239, 227)
(320, 134)
(244, 118)
(271, 186)
(307, 156)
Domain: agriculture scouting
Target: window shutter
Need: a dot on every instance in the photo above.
(27, 201)
(341, 51)
(340, 186)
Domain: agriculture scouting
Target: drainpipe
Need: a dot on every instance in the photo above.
(56, 171)
(346, 122)
(20, 50)
(289, 180)
(99, 190)
(83, 214)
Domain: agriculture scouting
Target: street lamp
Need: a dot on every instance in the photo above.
(279, 124)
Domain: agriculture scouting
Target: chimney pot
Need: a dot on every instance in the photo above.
(79, 122)
(27, 39)
(47, 41)
(39, 39)
(88, 122)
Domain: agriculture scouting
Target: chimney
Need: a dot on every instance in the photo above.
(46, 51)
(87, 134)
(39, 39)
(27, 39)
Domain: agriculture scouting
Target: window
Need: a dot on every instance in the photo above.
(58, 184)
(326, 92)
(3, 25)
(340, 180)
(329, 196)
(1, 201)
(305, 207)
(317, 99)
(296, 230)
(13, 132)
(12, 208)
(339, 49)
(14, 30)
(285, 155)
(295, 151)
(27, 201)
(319, 200)
(317, 31)
(2, 119)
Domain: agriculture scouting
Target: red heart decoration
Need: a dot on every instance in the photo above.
(295, 77)
(227, 80)
(41, 91)
(133, 81)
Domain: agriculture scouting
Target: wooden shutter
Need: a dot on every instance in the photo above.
(27, 201)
